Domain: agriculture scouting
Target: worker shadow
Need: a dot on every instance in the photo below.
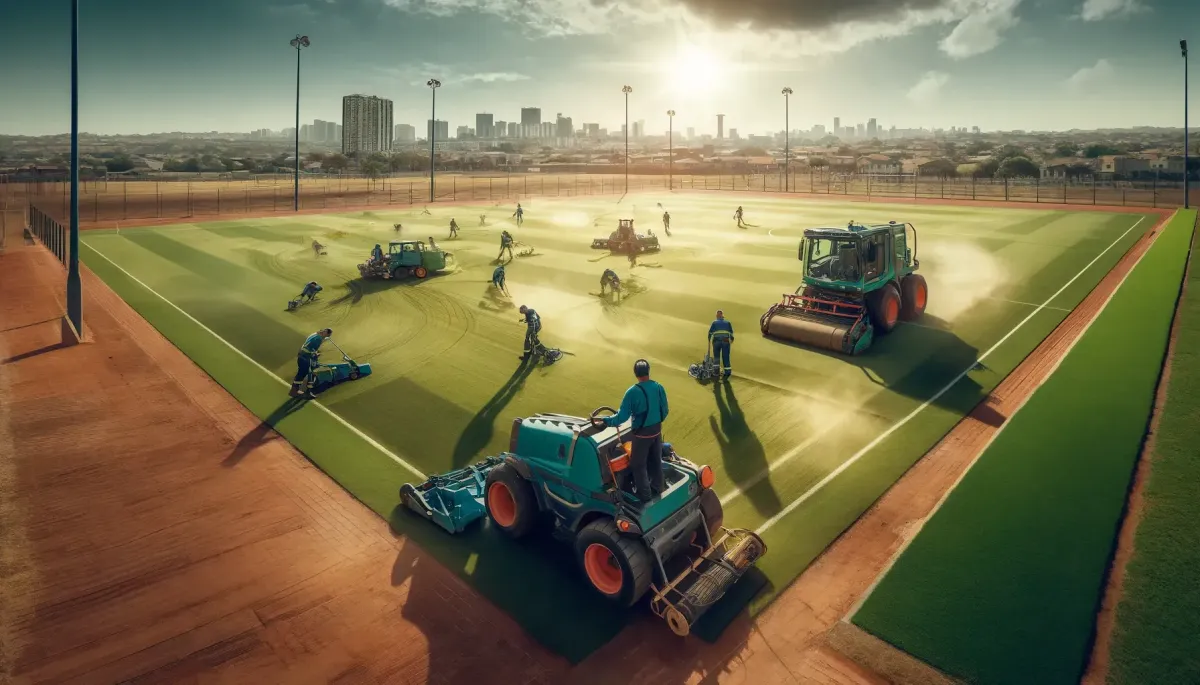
(262, 433)
(742, 452)
(480, 429)
(495, 301)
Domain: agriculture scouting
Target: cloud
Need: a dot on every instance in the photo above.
(419, 73)
(493, 77)
(929, 87)
(780, 28)
(1088, 78)
(1096, 10)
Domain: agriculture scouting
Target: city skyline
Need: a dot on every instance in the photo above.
(998, 64)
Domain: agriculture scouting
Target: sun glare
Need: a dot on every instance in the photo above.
(695, 70)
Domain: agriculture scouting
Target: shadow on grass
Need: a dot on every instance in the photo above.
(743, 453)
(359, 288)
(495, 301)
(478, 432)
(262, 433)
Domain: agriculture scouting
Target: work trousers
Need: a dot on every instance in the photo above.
(721, 354)
(531, 337)
(304, 365)
(645, 462)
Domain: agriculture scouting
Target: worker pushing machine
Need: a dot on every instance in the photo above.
(738, 215)
(506, 243)
(720, 336)
(519, 214)
(310, 291)
(306, 361)
(533, 325)
(318, 248)
(645, 405)
(610, 279)
(498, 279)
(453, 228)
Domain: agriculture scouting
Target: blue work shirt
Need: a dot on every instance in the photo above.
(610, 275)
(644, 401)
(311, 344)
(498, 274)
(721, 331)
(532, 319)
(505, 239)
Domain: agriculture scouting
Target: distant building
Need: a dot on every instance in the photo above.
(439, 132)
(638, 132)
(565, 127)
(872, 128)
(484, 126)
(366, 124)
(545, 130)
(733, 134)
(404, 133)
(1168, 165)
(500, 130)
(691, 133)
(1122, 166)
(837, 126)
(531, 116)
(818, 131)
(463, 132)
(861, 130)
(591, 130)
(720, 126)
(514, 130)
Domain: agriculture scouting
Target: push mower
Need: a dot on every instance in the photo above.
(325, 375)
(574, 472)
(708, 369)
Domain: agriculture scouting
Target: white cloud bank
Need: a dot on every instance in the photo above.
(929, 87)
(1088, 78)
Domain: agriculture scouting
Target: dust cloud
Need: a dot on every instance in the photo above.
(571, 219)
(960, 275)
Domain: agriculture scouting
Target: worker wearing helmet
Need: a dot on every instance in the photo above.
(533, 325)
(610, 279)
(720, 335)
(645, 406)
(306, 361)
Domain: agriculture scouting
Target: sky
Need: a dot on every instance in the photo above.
(161, 65)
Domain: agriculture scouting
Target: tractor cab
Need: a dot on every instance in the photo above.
(625, 229)
(858, 258)
(406, 252)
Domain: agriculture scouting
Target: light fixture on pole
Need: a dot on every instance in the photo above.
(671, 149)
(787, 92)
(1186, 183)
(433, 84)
(299, 42)
(74, 285)
(627, 90)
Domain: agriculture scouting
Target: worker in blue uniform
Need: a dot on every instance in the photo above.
(506, 243)
(720, 336)
(533, 325)
(498, 279)
(519, 215)
(310, 291)
(453, 228)
(377, 253)
(645, 406)
(610, 279)
(306, 361)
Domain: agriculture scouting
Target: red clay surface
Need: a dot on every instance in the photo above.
(154, 531)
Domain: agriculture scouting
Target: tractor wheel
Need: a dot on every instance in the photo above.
(714, 513)
(916, 296)
(618, 567)
(420, 272)
(883, 305)
(510, 501)
(354, 375)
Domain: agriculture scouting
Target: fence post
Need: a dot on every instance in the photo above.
(1093, 188)
(1037, 189)
(218, 200)
(95, 208)
(972, 186)
(943, 190)
(1064, 184)
(274, 197)
(453, 189)
(410, 185)
(525, 184)
(189, 198)
(125, 201)
(1154, 191)
(389, 193)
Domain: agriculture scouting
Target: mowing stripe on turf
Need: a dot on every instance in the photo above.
(368, 439)
(769, 523)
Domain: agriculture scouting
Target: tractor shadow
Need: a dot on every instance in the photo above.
(742, 452)
(479, 430)
(359, 288)
(263, 433)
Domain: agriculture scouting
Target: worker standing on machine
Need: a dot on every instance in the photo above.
(533, 325)
(506, 243)
(720, 335)
(738, 215)
(306, 361)
(645, 402)
(498, 279)
(453, 228)
(610, 279)
(377, 253)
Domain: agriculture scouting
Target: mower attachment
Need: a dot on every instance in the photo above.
(452, 500)
(705, 370)
(823, 322)
(695, 590)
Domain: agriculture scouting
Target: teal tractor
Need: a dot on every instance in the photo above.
(574, 472)
(859, 282)
(405, 258)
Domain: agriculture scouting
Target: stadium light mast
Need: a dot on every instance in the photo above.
(433, 84)
(627, 90)
(787, 92)
(299, 42)
(74, 287)
(1186, 184)
(671, 148)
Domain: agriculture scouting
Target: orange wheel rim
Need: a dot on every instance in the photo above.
(602, 569)
(420, 272)
(891, 311)
(920, 296)
(501, 504)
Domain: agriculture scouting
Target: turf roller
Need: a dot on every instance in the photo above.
(835, 325)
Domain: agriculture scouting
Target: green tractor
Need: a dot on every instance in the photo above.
(405, 258)
(574, 473)
(859, 282)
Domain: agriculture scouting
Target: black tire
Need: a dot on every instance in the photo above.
(354, 375)
(524, 501)
(714, 513)
(879, 303)
(630, 554)
(915, 296)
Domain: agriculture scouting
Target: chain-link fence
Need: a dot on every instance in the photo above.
(130, 200)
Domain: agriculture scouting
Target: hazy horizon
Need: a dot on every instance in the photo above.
(1048, 65)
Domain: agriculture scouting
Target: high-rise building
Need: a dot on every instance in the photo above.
(440, 130)
(306, 133)
(544, 130)
(564, 126)
(975, 130)
(366, 124)
(463, 132)
(531, 116)
(872, 128)
(691, 133)
(405, 133)
(484, 126)
(837, 126)
(720, 126)
(733, 134)
(818, 130)
(514, 130)
(591, 130)
(862, 129)
(500, 130)
(637, 131)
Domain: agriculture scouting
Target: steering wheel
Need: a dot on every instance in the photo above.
(596, 418)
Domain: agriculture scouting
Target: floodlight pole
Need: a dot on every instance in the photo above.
(671, 149)
(786, 132)
(298, 42)
(433, 84)
(1186, 183)
(627, 90)
(74, 287)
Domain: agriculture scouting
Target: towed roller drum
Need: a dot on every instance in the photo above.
(839, 327)
(811, 332)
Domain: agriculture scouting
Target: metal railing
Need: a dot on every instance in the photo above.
(50, 233)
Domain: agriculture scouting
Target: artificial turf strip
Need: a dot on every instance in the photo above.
(1158, 618)
(1003, 583)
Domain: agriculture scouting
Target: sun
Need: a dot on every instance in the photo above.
(695, 70)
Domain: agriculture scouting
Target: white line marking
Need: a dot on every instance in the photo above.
(1027, 304)
(769, 523)
(368, 439)
(946, 495)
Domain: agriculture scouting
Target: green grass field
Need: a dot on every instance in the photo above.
(802, 441)
(1014, 561)
(1158, 618)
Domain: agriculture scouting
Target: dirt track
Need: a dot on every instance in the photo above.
(169, 534)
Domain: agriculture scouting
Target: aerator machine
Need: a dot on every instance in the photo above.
(859, 282)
